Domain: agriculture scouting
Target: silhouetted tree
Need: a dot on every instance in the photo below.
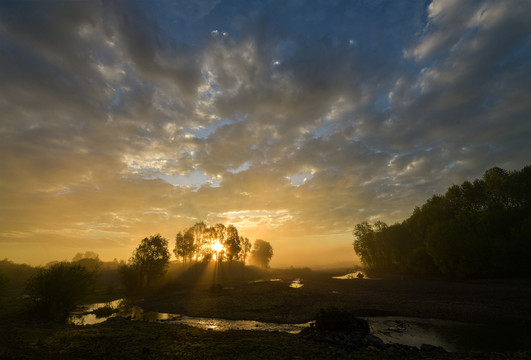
(87, 255)
(90, 260)
(184, 245)
(150, 259)
(57, 290)
(262, 253)
(232, 242)
(245, 248)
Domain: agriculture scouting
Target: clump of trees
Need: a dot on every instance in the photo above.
(203, 243)
(57, 290)
(477, 228)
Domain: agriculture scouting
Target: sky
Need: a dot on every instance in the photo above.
(293, 120)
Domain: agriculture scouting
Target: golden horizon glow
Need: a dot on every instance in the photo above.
(130, 131)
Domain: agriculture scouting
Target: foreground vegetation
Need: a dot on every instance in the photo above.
(138, 340)
(246, 293)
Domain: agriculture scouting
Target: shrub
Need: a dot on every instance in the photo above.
(57, 290)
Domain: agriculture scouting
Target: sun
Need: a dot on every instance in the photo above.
(217, 247)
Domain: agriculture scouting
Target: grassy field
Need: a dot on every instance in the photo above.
(237, 295)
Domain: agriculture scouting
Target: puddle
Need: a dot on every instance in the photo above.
(352, 275)
(296, 284)
(223, 325)
(260, 281)
(84, 314)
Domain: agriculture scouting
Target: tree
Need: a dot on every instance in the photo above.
(232, 242)
(184, 245)
(57, 290)
(245, 248)
(150, 259)
(87, 255)
(90, 260)
(262, 253)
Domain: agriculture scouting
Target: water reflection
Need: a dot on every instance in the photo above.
(452, 335)
(415, 331)
(296, 284)
(352, 275)
(223, 325)
(88, 314)
(262, 280)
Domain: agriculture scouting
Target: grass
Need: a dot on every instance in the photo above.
(141, 340)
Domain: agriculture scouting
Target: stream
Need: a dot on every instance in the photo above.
(451, 335)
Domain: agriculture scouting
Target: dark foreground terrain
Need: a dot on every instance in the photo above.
(498, 301)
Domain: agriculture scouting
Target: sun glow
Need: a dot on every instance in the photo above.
(217, 248)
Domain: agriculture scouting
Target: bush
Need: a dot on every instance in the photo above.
(57, 290)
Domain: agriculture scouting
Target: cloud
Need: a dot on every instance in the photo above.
(121, 119)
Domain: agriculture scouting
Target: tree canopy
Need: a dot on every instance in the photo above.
(262, 253)
(476, 228)
(148, 263)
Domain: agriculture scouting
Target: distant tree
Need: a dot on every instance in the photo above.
(262, 253)
(87, 255)
(198, 232)
(184, 245)
(245, 248)
(57, 290)
(150, 259)
(90, 260)
(232, 242)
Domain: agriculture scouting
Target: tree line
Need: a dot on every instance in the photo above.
(476, 228)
